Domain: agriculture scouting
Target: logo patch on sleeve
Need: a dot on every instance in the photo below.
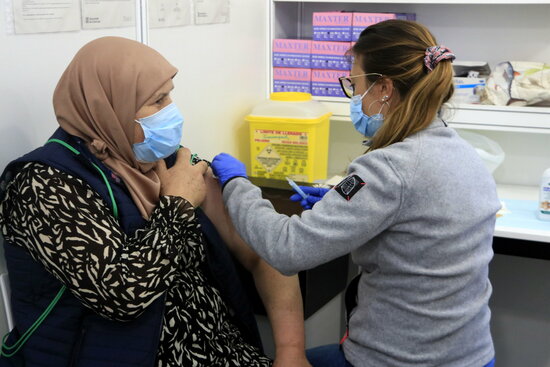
(349, 186)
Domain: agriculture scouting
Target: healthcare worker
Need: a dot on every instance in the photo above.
(416, 212)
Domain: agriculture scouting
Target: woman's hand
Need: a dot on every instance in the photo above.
(227, 167)
(183, 179)
(314, 194)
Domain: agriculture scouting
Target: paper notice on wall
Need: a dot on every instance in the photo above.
(211, 11)
(169, 13)
(39, 16)
(108, 13)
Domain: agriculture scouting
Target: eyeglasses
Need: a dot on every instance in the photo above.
(347, 86)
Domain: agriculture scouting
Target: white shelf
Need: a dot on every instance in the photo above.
(501, 118)
(522, 234)
(517, 192)
(529, 193)
(477, 117)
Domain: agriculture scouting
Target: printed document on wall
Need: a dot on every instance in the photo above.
(211, 11)
(39, 16)
(108, 13)
(169, 13)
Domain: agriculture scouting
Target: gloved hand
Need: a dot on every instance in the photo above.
(314, 194)
(226, 167)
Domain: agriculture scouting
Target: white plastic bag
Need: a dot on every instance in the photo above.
(519, 83)
(489, 150)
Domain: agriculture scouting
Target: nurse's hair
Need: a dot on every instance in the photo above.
(404, 52)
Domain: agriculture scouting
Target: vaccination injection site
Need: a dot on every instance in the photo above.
(274, 183)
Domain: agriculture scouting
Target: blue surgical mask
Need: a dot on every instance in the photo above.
(365, 124)
(162, 132)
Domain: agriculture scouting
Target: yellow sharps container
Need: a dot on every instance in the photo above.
(289, 137)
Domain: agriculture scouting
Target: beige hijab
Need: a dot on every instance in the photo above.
(97, 98)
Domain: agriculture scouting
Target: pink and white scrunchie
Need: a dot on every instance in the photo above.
(435, 54)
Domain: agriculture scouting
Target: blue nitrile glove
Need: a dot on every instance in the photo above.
(314, 194)
(227, 167)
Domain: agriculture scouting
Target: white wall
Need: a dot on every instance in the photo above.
(222, 75)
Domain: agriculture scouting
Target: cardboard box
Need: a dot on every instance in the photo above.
(360, 21)
(291, 80)
(332, 26)
(325, 83)
(330, 55)
(468, 90)
(292, 53)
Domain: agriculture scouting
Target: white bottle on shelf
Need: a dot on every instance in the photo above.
(544, 196)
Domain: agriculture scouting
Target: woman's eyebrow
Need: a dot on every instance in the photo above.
(158, 96)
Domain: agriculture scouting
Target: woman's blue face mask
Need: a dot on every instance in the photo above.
(365, 124)
(163, 131)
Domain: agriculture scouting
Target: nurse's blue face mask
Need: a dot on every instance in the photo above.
(163, 131)
(365, 124)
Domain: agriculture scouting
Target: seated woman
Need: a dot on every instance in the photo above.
(96, 212)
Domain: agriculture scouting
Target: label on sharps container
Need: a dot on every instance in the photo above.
(332, 26)
(325, 83)
(292, 53)
(269, 158)
(280, 154)
(330, 55)
(291, 80)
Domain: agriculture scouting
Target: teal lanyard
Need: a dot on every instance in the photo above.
(7, 350)
(76, 152)
(10, 350)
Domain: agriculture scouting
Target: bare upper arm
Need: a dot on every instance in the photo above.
(214, 208)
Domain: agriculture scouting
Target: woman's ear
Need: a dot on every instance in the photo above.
(386, 89)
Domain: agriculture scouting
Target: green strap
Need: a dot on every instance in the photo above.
(6, 350)
(111, 195)
(10, 350)
(65, 144)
